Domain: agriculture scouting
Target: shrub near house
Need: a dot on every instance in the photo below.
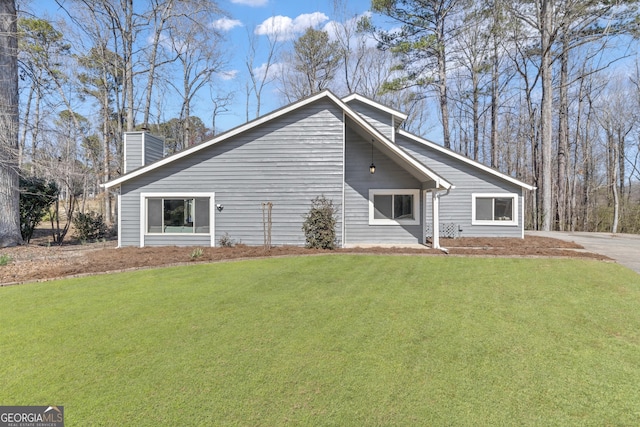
(320, 224)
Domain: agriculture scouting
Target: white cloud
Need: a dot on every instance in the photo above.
(339, 30)
(306, 20)
(276, 25)
(252, 3)
(225, 24)
(275, 70)
(228, 75)
(285, 28)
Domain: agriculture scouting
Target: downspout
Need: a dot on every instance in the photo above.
(119, 219)
(344, 175)
(435, 216)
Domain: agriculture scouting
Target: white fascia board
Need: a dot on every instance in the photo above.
(465, 159)
(374, 104)
(219, 138)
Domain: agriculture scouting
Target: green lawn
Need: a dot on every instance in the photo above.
(331, 340)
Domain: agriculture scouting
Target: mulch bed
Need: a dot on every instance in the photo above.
(38, 261)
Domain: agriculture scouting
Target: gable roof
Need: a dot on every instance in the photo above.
(465, 159)
(398, 116)
(415, 167)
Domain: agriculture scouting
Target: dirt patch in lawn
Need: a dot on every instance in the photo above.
(40, 261)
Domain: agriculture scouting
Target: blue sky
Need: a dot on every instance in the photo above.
(286, 18)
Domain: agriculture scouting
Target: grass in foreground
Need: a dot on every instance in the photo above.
(335, 340)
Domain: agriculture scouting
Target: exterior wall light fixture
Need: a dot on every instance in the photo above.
(372, 167)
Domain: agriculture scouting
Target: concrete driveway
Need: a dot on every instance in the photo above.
(624, 248)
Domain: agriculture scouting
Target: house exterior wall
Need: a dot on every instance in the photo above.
(381, 120)
(288, 161)
(358, 182)
(456, 207)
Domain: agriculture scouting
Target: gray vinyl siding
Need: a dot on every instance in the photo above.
(133, 151)
(129, 226)
(359, 181)
(456, 207)
(153, 148)
(287, 161)
(140, 149)
(380, 120)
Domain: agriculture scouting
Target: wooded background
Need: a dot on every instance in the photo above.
(545, 91)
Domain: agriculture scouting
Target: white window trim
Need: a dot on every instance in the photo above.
(186, 195)
(515, 217)
(390, 192)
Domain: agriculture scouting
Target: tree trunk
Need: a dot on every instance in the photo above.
(128, 57)
(494, 105)
(23, 137)
(476, 114)
(546, 111)
(615, 170)
(572, 212)
(185, 109)
(153, 59)
(587, 165)
(106, 156)
(495, 83)
(9, 182)
(622, 136)
(442, 87)
(563, 135)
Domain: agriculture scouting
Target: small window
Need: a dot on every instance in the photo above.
(495, 209)
(394, 207)
(176, 215)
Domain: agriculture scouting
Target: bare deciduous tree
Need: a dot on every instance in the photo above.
(260, 76)
(199, 56)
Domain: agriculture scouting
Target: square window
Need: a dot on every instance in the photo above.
(494, 209)
(394, 207)
(178, 215)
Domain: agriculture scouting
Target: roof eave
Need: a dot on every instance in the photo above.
(395, 149)
(235, 131)
(467, 160)
(395, 113)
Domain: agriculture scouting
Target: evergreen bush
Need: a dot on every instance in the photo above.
(320, 224)
(90, 226)
(36, 196)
